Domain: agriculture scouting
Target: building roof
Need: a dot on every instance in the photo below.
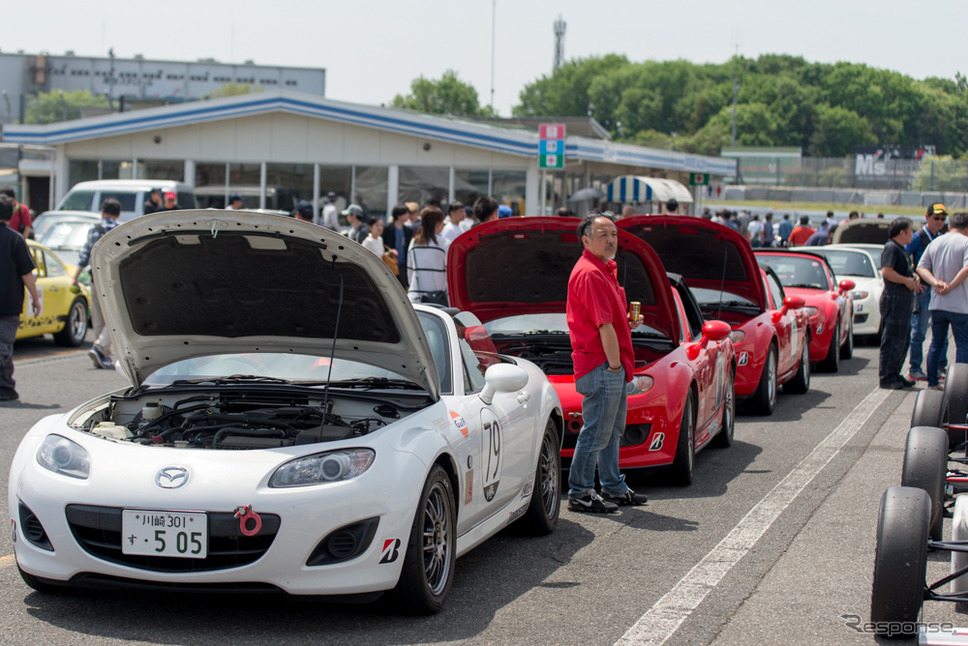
(505, 139)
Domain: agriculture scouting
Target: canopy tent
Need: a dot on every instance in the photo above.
(632, 188)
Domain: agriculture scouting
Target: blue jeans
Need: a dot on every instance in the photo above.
(919, 330)
(603, 422)
(940, 320)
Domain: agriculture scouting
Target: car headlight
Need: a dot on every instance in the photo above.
(736, 336)
(62, 456)
(859, 295)
(320, 468)
(812, 311)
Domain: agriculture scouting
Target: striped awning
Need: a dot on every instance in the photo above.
(633, 188)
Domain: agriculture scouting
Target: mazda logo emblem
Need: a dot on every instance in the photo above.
(171, 477)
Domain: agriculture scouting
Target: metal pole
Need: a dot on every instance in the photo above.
(493, 37)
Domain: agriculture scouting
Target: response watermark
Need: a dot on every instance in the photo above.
(894, 628)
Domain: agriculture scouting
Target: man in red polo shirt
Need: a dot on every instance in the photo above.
(601, 343)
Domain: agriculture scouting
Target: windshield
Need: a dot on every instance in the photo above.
(849, 263)
(267, 367)
(716, 297)
(66, 235)
(797, 271)
(549, 324)
(77, 201)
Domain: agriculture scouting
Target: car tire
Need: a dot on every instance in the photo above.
(900, 560)
(800, 383)
(542, 515)
(956, 400)
(727, 430)
(929, 409)
(764, 399)
(684, 464)
(75, 326)
(847, 349)
(926, 467)
(428, 567)
(831, 362)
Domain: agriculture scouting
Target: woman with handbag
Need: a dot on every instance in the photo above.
(374, 242)
(427, 260)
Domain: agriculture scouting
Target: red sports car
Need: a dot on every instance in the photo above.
(829, 304)
(513, 274)
(770, 333)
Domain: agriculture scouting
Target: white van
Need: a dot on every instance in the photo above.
(132, 193)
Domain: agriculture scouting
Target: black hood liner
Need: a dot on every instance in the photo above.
(695, 253)
(247, 291)
(507, 268)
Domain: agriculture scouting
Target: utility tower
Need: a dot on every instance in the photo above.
(559, 43)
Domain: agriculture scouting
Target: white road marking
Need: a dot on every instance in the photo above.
(661, 621)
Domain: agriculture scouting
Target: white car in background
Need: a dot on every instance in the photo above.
(293, 424)
(861, 263)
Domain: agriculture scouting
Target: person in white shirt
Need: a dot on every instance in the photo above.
(453, 223)
(329, 217)
(235, 202)
(374, 241)
(427, 259)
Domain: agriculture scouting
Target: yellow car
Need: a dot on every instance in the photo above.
(64, 307)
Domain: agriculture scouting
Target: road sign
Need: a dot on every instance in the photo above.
(698, 179)
(551, 161)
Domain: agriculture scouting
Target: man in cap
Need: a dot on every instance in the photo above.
(235, 202)
(354, 216)
(170, 202)
(153, 203)
(329, 217)
(303, 211)
(934, 226)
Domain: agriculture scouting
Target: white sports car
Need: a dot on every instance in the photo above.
(293, 423)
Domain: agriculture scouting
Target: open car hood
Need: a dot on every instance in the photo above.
(706, 254)
(521, 266)
(182, 284)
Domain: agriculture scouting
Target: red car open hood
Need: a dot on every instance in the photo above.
(706, 254)
(519, 266)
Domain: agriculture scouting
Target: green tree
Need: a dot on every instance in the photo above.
(836, 130)
(565, 93)
(940, 173)
(52, 107)
(448, 95)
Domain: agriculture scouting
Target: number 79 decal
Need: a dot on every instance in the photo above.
(491, 459)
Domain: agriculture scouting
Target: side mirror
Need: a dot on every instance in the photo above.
(846, 285)
(502, 378)
(711, 331)
(789, 303)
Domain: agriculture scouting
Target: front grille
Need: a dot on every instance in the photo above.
(98, 531)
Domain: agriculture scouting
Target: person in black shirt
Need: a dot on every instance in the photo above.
(897, 303)
(16, 272)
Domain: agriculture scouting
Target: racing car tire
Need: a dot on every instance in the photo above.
(75, 325)
(900, 561)
(831, 363)
(764, 399)
(847, 349)
(684, 464)
(929, 409)
(725, 436)
(926, 467)
(800, 383)
(956, 400)
(425, 580)
(542, 515)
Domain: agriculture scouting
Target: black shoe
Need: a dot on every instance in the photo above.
(591, 503)
(627, 498)
(892, 385)
(907, 383)
(96, 357)
(8, 395)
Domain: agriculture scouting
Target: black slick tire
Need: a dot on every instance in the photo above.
(75, 326)
(928, 409)
(956, 400)
(900, 560)
(926, 467)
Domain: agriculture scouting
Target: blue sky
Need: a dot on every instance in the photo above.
(373, 49)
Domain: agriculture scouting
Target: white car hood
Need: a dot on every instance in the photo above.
(181, 284)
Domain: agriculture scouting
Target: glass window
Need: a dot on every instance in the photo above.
(371, 189)
(776, 291)
(436, 334)
(54, 268)
(78, 201)
(477, 350)
(81, 170)
(424, 184)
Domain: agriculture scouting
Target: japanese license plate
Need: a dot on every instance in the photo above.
(164, 533)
